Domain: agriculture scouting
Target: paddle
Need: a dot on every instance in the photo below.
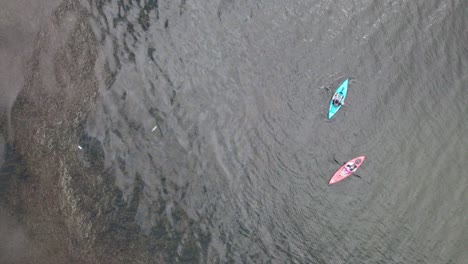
(326, 88)
(334, 159)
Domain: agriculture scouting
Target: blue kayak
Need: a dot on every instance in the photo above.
(341, 94)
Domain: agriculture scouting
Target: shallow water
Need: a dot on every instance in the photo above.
(243, 147)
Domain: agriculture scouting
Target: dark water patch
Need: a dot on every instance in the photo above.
(130, 54)
(130, 28)
(173, 97)
(182, 7)
(92, 150)
(159, 117)
(124, 213)
(13, 170)
(225, 6)
(110, 76)
(173, 234)
(124, 96)
(144, 16)
(150, 53)
(152, 5)
(2, 150)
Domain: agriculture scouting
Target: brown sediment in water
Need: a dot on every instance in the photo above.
(66, 207)
(67, 203)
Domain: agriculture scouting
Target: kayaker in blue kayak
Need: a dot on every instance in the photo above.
(337, 100)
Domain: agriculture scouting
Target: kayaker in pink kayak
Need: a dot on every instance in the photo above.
(347, 169)
(350, 167)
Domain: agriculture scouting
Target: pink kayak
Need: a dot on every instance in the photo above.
(344, 172)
